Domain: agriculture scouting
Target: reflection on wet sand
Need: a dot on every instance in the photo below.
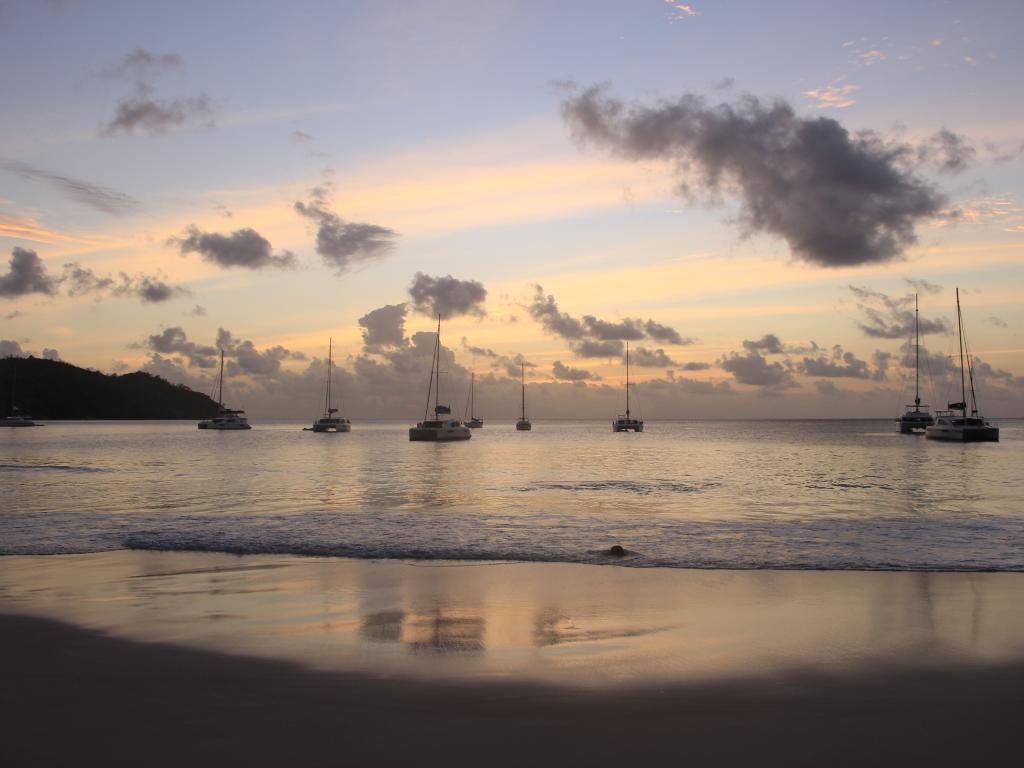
(552, 627)
(440, 631)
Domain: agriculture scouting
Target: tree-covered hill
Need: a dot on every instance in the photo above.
(49, 389)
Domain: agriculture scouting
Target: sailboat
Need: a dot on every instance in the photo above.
(438, 429)
(963, 428)
(475, 422)
(16, 418)
(914, 422)
(329, 422)
(226, 418)
(627, 422)
(523, 425)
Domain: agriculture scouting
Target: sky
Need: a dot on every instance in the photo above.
(749, 194)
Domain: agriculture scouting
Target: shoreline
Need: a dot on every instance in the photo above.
(73, 696)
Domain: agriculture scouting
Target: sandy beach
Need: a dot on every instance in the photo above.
(176, 657)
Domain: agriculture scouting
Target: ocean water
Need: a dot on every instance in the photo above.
(694, 494)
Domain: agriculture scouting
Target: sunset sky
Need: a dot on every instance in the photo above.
(748, 193)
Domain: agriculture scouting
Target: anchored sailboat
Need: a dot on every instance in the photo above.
(963, 428)
(438, 429)
(226, 418)
(523, 425)
(914, 422)
(627, 422)
(16, 418)
(329, 422)
(475, 422)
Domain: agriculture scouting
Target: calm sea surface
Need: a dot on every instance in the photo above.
(714, 494)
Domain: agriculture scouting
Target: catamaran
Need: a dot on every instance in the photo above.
(963, 428)
(475, 422)
(523, 425)
(914, 422)
(329, 422)
(226, 418)
(438, 429)
(626, 423)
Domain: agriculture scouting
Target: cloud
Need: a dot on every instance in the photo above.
(478, 351)
(142, 112)
(889, 318)
(512, 366)
(646, 358)
(447, 296)
(50, 354)
(754, 370)
(664, 334)
(26, 274)
(838, 199)
(174, 341)
(384, 327)
(242, 248)
(10, 348)
(997, 322)
(769, 344)
(197, 311)
(827, 388)
(299, 137)
(923, 286)
(545, 311)
(833, 96)
(344, 244)
(12, 315)
(99, 198)
(588, 348)
(567, 373)
(947, 151)
(846, 366)
(602, 330)
(695, 366)
(150, 289)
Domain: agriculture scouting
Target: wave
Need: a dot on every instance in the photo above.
(50, 468)
(642, 488)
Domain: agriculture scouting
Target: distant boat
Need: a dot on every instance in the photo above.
(329, 422)
(438, 429)
(914, 422)
(475, 422)
(963, 428)
(226, 418)
(16, 419)
(627, 422)
(523, 425)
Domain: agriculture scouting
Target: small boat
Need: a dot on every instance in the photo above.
(226, 418)
(963, 428)
(523, 425)
(475, 422)
(16, 418)
(438, 429)
(329, 422)
(914, 422)
(626, 423)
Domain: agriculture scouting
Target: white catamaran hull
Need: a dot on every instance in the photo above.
(439, 431)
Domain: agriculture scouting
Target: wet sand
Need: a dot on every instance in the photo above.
(167, 658)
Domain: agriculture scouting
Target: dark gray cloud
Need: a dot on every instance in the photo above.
(545, 311)
(885, 317)
(567, 373)
(242, 248)
(827, 388)
(602, 330)
(50, 354)
(447, 296)
(997, 322)
(947, 151)
(99, 198)
(26, 274)
(150, 289)
(512, 366)
(664, 334)
(344, 244)
(923, 286)
(174, 341)
(647, 358)
(384, 327)
(753, 369)
(197, 311)
(10, 348)
(769, 344)
(695, 366)
(478, 351)
(846, 366)
(837, 199)
(589, 348)
(143, 111)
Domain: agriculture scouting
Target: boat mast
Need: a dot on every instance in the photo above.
(522, 368)
(327, 399)
(437, 367)
(472, 405)
(960, 332)
(917, 359)
(220, 383)
(627, 379)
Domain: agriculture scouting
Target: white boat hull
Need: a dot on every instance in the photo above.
(439, 432)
